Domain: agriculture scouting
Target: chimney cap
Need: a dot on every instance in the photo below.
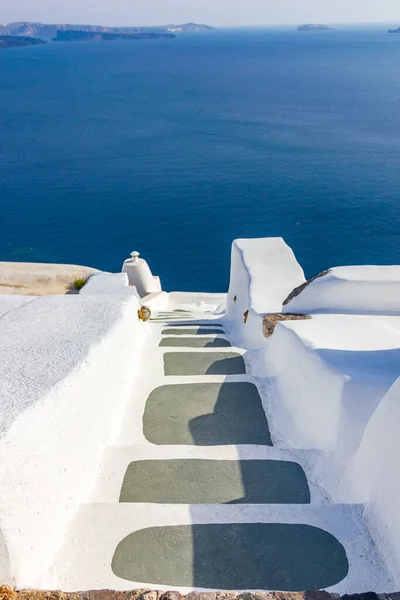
(135, 255)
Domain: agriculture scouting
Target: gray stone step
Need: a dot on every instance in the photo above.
(293, 556)
(188, 342)
(185, 323)
(206, 414)
(263, 556)
(197, 331)
(203, 363)
(175, 322)
(197, 481)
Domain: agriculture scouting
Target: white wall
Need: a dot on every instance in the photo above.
(263, 272)
(351, 289)
(109, 283)
(334, 389)
(63, 396)
(331, 384)
(307, 408)
(374, 471)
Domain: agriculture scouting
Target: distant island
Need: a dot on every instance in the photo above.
(189, 28)
(10, 41)
(310, 27)
(44, 31)
(394, 30)
(94, 36)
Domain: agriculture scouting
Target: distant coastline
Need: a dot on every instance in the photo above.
(311, 27)
(394, 30)
(49, 31)
(93, 36)
(9, 41)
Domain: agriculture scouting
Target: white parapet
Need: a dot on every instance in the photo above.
(375, 473)
(140, 275)
(334, 388)
(67, 372)
(109, 283)
(263, 272)
(355, 289)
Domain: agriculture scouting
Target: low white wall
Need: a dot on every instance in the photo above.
(307, 408)
(263, 272)
(68, 369)
(156, 300)
(109, 283)
(374, 471)
(365, 289)
(334, 389)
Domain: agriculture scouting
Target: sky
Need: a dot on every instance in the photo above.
(212, 12)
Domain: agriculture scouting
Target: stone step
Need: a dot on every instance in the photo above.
(180, 322)
(203, 363)
(195, 322)
(262, 556)
(222, 546)
(199, 481)
(206, 414)
(188, 342)
(116, 460)
(195, 331)
(204, 323)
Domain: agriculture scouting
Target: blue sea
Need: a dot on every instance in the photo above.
(177, 147)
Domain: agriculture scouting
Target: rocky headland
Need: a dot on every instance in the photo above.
(93, 36)
(10, 41)
(394, 30)
(48, 31)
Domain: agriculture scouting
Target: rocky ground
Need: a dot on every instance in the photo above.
(8, 593)
(40, 279)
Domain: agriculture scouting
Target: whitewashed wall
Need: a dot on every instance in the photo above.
(365, 289)
(68, 371)
(375, 472)
(334, 389)
(263, 272)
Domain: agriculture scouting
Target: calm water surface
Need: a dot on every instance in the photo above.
(176, 147)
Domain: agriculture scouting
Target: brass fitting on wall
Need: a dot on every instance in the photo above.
(144, 313)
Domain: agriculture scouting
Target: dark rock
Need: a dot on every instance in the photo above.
(201, 596)
(171, 596)
(256, 596)
(269, 323)
(297, 291)
(149, 595)
(317, 595)
(136, 595)
(230, 595)
(288, 595)
(99, 595)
